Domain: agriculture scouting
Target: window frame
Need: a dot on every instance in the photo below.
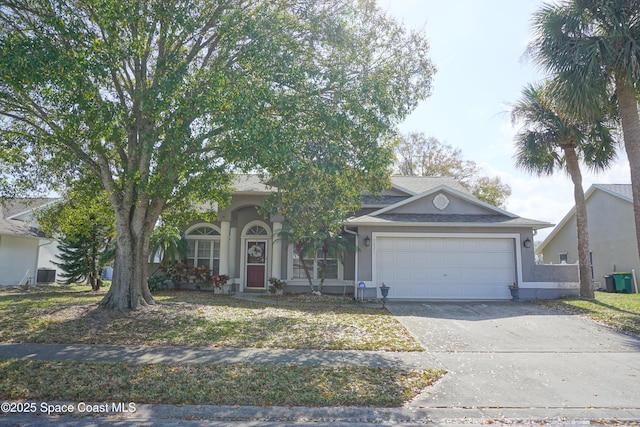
(315, 261)
(211, 239)
(564, 255)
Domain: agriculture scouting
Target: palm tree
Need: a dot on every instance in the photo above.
(592, 49)
(168, 242)
(551, 139)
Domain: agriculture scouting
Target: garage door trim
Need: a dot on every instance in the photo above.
(514, 236)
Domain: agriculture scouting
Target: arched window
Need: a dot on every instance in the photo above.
(257, 230)
(204, 247)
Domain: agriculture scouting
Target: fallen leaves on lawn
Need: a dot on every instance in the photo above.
(212, 384)
(200, 319)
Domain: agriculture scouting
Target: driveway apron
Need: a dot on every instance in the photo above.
(521, 355)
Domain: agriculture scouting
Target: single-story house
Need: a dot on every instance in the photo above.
(424, 237)
(23, 249)
(612, 238)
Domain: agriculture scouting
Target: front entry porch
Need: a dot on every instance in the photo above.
(242, 245)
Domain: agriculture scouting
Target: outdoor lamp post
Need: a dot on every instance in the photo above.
(384, 290)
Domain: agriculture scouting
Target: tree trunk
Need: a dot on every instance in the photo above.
(129, 287)
(94, 259)
(300, 250)
(324, 271)
(628, 108)
(584, 261)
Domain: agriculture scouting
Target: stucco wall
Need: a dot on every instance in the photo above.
(611, 237)
(242, 212)
(537, 281)
(18, 257)
(424, 205)
(365, 269)
(48, 254)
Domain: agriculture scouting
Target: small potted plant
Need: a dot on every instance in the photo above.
(276, 286)
(218, 281)
(515, 291)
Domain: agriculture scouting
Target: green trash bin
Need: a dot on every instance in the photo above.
(623, 282)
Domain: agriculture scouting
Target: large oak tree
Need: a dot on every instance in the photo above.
(419, 155)
(160, 100)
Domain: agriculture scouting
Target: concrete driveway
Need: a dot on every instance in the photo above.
(522, 360)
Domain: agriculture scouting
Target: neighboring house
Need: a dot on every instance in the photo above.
(23, 249)
(612, 238)
(424, 237)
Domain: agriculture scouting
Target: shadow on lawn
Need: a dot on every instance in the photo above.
(208, 298)
(634, 314)
(214, 322)
(199, 356)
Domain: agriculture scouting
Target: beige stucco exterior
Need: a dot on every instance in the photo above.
(418, 207)
(611, 235)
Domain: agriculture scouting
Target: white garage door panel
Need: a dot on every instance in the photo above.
(445, 268)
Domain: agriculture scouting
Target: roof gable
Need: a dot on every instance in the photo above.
(443, 199)
(620, 191)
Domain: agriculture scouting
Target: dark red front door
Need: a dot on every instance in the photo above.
(256, 264)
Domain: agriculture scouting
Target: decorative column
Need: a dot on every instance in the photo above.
(224, 247)
(233, 250)
(276, 256)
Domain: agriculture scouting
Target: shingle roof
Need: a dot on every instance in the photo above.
(440, 219)
(14, 227)
(420, 184)
(15, 207)
(621, 190)
(19, 206)
(382, 200)
(413, 184)
(250, 184)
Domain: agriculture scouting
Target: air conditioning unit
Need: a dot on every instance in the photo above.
(46, 275)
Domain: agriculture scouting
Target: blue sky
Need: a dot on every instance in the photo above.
(478, 47)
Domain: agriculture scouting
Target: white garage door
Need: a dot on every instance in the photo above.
(445, 268)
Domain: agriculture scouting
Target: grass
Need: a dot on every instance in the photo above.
(620, 311)
(197, 318)
(211, 384)
(69, 314)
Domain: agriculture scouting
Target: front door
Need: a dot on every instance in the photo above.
(256, 264)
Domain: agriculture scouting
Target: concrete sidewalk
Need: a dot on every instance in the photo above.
(221, 355)
(519, 364)
(423, 410)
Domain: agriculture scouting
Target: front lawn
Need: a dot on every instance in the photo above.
(200, 318)
(620, 311)
(197, 318)
(211, 384)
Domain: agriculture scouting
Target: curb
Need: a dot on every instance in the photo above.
(166, 415)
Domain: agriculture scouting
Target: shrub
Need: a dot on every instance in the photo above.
(158, 282)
